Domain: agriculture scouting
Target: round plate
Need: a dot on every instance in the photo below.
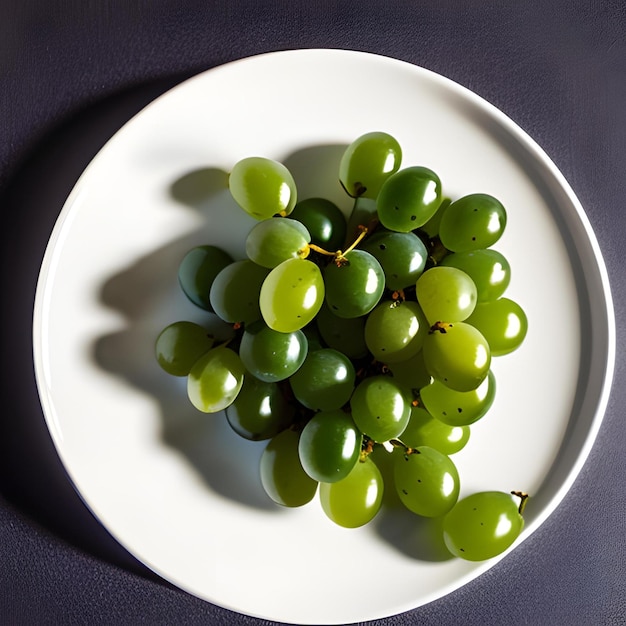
(176, 487)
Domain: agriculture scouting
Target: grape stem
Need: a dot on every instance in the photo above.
(340, 255)
(439, 327)
(523, 499)
(359, 189)
(396, 443)
(367, 448)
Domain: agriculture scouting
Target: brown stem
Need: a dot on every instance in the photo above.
(441, 327)
(367, 448)
(523, 499)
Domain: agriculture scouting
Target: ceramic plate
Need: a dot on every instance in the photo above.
(176, 487)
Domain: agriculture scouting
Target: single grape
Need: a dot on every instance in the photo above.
(488, 268)
(273, 241)
(395, 330)
(262, 187)
(180, 345)
(503, 322)
(235, 292)
(198, 270)
(380, 408)
(291, 295)
(425, 430)
(411, 373)
(325, 381)
(341, 334)
(270, 355)
(459, 408)
(401, 255)
(408, 199)
(215, 380)
(354, 286)
(427, 481)
(483, 525)
(329, 446)
(472, 222)
(260, 410)
(431, 228)
(457, 355)
(367, 162)
(324, 221)
(282, 476)
(446, 294)
(356, 499)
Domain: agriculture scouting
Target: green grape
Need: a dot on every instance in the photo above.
(273, 241)
(395, 331)
(431, 227)
(356, 499)
(411, 373)
(270, 355)
(341, 334)
(282, 476)
(425, 430)
(325, 380)
(401, 255)
(363, 214)
(324, 221)
(446, 294)
(472, 222)
(235, 292)
(459, 408)
(260, 410)
(313, 336)
(262, 187)
(329, 446)
(215, 380)
(384, 459)
(180, 345)
(483, 525)
(503, 323)
(457, 355)
(489, 270)
(427, 481)
(354, 286)
(291, 295)
(380, 408)
(198, 270)
(408, 199)
(367, 162)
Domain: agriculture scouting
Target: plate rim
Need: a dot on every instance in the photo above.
(511, 128)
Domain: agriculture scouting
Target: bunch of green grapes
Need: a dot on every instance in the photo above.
(358, 337)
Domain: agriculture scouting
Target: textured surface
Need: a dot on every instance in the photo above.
(72, 72)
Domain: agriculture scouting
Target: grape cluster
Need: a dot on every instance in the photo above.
(359, 337)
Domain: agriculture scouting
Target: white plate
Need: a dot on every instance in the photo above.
(176, 487)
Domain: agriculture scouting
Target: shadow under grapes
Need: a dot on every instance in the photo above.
(228, 464)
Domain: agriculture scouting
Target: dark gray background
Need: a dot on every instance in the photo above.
(73, 71)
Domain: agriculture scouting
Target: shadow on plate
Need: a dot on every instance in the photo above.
(32, 477)
(414, 536)
(227, 463)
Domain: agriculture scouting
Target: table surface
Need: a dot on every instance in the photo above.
(73, 72)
